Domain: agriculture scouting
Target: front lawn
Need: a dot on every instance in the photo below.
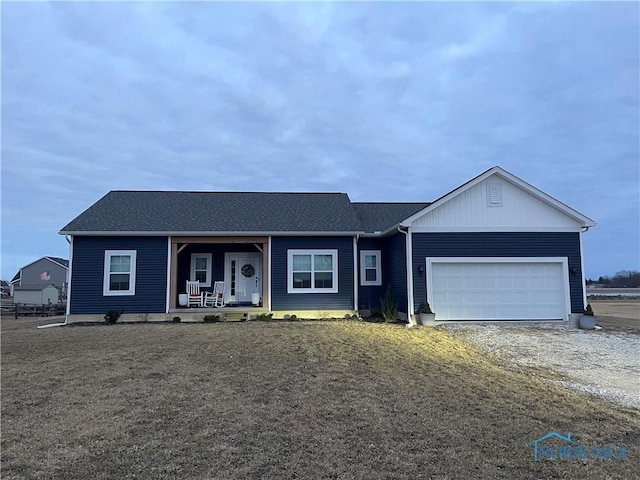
(284, 400)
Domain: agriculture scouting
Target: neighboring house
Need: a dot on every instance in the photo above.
(42, 272)
(495, 248)
(5, 288)
(36, 294)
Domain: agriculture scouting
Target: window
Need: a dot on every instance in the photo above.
(370, 269)
(201, 268)
(312, 271)
(119, 272)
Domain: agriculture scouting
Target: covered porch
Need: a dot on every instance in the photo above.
(242, 263)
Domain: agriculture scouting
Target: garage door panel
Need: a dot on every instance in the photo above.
(471, 283)
(498, 290)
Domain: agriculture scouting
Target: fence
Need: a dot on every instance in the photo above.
(30, 310)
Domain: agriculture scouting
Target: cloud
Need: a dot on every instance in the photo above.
(384, 101)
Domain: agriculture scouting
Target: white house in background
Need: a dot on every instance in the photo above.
(36, 295)
(41, 273)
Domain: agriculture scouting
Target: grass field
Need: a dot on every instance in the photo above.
(284, 400)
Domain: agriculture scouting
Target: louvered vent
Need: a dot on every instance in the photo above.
(494, 195)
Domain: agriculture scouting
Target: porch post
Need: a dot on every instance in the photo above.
(266, 276)
(173, 290)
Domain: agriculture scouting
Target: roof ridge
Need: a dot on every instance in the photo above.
(228, 191)
(390, 203)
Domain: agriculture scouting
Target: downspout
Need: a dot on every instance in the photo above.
(409, 263)
(69, 240)
(584, 283)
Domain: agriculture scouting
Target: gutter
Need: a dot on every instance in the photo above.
(69, 240)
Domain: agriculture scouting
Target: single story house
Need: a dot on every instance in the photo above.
(494, 248)
(42, 272)
(36, 294)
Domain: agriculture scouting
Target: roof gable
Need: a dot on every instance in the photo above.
(61, 262)
(170, 212)
(520, 205)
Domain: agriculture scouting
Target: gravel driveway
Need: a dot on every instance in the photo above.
(597, 362)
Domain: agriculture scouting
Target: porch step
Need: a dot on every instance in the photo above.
(235, 316)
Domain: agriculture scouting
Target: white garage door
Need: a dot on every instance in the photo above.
(498, 289)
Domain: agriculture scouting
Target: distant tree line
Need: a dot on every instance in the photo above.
(622, 279)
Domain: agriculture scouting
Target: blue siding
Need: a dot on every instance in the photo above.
(369, 295)
(88, 273)
(499, 244)
(281, 300)
(394, 264)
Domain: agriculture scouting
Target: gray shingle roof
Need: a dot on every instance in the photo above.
(62, 261)
(378, 217)
(176, 211)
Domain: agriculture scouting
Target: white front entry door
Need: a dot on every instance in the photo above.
(242, 276)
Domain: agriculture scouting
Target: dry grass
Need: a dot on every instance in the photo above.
(279, 400)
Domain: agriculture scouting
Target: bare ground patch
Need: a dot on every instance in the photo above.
(597, 362)
(283, 400)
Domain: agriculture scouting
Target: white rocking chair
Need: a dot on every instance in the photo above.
(215, 298)
(193, 291)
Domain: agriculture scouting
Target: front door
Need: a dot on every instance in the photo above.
(242, 276)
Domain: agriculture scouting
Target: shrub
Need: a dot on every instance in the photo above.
(389, 305)
(265, 317)
(177, 319)
(211, 318)
(112, 316)
(425, 308)
(588, 311)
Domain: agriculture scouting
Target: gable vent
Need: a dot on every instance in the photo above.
(494, 194)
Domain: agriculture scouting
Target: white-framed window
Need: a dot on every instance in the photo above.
(370, 267)
(119, 272)
(312, 271)
(201, 268)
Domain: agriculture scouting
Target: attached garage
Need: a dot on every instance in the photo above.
(506, 288)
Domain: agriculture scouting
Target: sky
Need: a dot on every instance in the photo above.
(384, 101)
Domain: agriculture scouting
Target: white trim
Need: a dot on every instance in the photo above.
(562, 260)
(57, 263)
(494, 229)
(539, 194)
(132, 272)
(334, 274)
(209, 270)
(409, 262)
(363, 277)
(69, 273)
(584, 283)
(168, 290)
(269, 279)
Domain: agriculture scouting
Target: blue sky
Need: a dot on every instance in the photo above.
(384, 101)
